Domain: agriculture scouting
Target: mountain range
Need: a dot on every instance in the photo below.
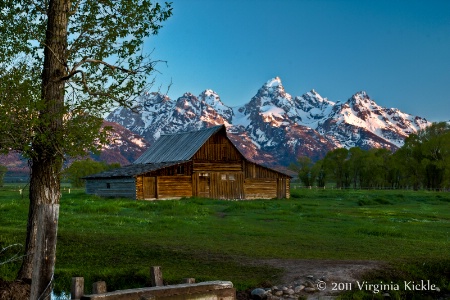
(274, 128)
(124, 147)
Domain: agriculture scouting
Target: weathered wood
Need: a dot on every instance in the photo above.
(181, 169)
(112, 187)
(77, 288)
(260, 188)
(99, 287)
(217, 170)
(218, 148)
(156, 278)
(198, 291)
(149, 187)
(189, 280)
(217, 167)
(227, 185)
(140, 187)
(44, 258)
(174, 186)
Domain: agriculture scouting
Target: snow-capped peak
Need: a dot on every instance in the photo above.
(274, 82)
(275, 122)
(210, 97)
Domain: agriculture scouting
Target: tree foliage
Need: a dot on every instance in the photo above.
(3, 170)
(63, 64)
(103, 65)
(303, 167)
(423, 162)
(82, 168)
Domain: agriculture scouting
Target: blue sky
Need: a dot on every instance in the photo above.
(398, 51)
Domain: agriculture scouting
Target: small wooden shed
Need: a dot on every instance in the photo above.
(202, 163)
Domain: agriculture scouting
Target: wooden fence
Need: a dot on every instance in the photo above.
(188, 290)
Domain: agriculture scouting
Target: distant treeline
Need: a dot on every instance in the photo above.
(422, 163)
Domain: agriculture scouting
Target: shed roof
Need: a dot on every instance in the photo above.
(133, 170)
(177, 146)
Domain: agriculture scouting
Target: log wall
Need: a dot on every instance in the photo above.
(217, 148)
(163, 187)
(219, 185)
(217, 167)
(217, 170)
(260, 188)
(112, 187)
(262, 182)
(173, 186)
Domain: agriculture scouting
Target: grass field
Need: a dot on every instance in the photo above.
(118, 240)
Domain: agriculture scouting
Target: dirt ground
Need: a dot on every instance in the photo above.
(295, 271)
(16, 290)
(330, 271)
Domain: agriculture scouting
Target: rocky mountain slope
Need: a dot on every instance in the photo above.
(124, 147)
(274, 127)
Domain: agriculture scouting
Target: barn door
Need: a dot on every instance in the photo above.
(281, 188)
(203, 185)
(149, 188)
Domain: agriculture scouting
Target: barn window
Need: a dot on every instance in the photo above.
(231, 177)
(180, 169)
(223, 176)
(108, 185)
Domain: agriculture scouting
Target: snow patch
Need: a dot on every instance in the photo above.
(274, 82)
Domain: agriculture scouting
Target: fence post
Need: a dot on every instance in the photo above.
(77, 289)
(189, 280)
(99, 287)
(156, 277)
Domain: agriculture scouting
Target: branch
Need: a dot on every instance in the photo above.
(74, 10)
(89, 91)
(89, 60)
(13, 257)
(54, 54)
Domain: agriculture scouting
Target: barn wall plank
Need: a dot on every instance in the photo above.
(260, 188)
(174, 186)
(112, 187)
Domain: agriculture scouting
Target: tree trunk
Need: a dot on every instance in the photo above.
(46, 164)
(26, 269)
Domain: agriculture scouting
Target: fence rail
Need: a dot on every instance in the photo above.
(315, 187)
(188, 290)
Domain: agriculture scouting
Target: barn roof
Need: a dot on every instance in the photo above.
(168, 150)
(133, 170)
(177, 146)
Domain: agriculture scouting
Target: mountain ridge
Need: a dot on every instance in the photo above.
(274, 127)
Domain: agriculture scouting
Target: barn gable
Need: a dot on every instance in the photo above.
(177, 146)
(202, 163)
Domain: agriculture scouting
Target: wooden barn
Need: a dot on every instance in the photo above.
(202, 163)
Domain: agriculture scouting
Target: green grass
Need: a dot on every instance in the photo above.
(118, 240)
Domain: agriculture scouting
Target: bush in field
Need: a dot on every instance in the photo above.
(3, 170)
(83, 168)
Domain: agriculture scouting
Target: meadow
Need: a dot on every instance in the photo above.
(118, 240)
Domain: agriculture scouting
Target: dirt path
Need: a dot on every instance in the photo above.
(295, 271)
(331, 272)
